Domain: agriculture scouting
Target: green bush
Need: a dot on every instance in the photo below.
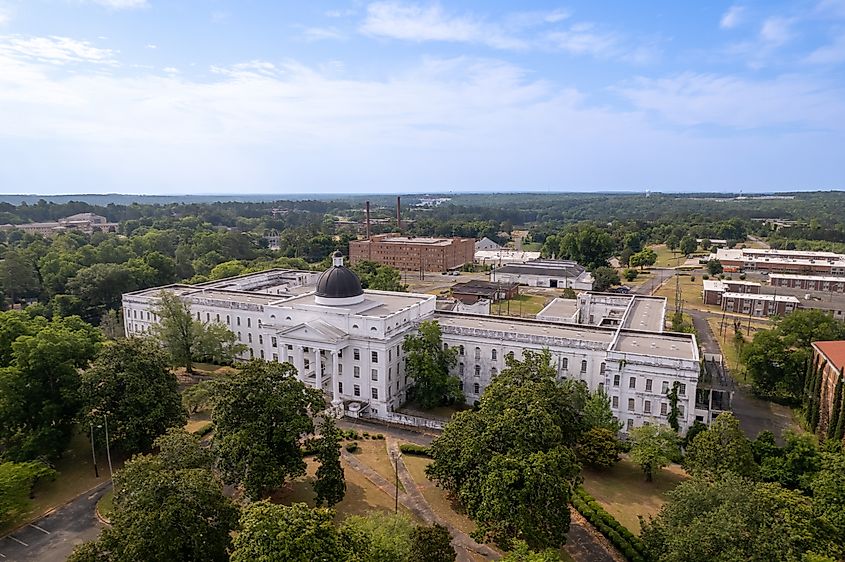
(379, 436)
(628, 544)
(204, 430)
(414, 450)
(350, 434)
(352, 447)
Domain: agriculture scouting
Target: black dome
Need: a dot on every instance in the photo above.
(338, 282)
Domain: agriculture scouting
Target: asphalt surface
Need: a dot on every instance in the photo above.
(659, 275)
(53, 537)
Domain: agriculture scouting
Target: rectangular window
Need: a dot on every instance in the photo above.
(565, 363)
(601, 386)
(630, 404)
(632, 382)
(356, 372)
(208, 317)
(374, 374)
(239, 320)
(249, 322)
(664, 388)
(249, 338)
(262, 354)
(616, 379)
(276, 357)
(648, 385)
(306, 363)
(260, 339)
(217, 316)
(584, 366)
(356, 354)
(664, 409)
(228, 319)
(356, 390)
(476, 388)
(493, 355)
(340, 387)
(647, 407)
(461, 369)
(630, 424)
(274, 342)
(615, 401)
(477, 353)
(374, 393)
(374, 356)
(682, 389)
(478, 370)
(239, 337)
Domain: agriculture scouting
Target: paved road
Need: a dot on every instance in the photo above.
(659, 275)
(52, 538)
(754, 415)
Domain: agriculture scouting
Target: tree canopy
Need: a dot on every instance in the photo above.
(653, 447)
(428, 362)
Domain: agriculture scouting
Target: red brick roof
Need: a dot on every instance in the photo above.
(834, 351)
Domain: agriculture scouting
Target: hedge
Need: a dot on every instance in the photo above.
(627, 542)
(415, 450)
(204, 430)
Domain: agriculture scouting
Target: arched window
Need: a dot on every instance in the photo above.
(476, 388)
(493, 371)
(478, 370)
(494, 355)
(461, 350)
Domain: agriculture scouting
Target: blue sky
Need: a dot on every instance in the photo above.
(249, 96)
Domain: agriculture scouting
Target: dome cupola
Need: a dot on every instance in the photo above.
(338, 285)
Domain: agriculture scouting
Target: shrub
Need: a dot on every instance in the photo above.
(705, 277)
(379, 436)
(692, 278)
(629, 544)
(414, 450)
(352, 447)
(204, 430)
(366, 435)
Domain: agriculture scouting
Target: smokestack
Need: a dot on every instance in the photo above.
(368, 219)
(399, 213)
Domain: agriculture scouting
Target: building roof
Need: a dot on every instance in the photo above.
(760, 297)
(338, 282)
(834, 351)
(823, 278)
(551, 268)
(559, 308)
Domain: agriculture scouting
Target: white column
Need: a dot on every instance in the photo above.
(318, 370)
(299, 362)
(336, 400)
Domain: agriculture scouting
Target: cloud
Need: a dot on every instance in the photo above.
(834, 53)
(120, 4)
(776, 30)
(282, 127)
(5, 16)
(732, 18)
(312, 34)
(412, 22)
(691, 100)
(585, 39)
(151, 46)
(55, 50)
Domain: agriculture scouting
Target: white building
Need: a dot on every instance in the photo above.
(545, 273)
(503, 256)
(486, 244)
(348, 342)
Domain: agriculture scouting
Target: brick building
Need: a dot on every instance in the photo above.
(829, 360)
(408, 253)
(808, 282)
(758, 304)
(797, 262)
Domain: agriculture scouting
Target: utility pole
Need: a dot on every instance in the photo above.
(108, 450)
(93, 452)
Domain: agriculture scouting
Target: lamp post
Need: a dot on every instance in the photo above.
(395, 456)
(93, 452)
(108, 450)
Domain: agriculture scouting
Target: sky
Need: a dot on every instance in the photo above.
(250, 96)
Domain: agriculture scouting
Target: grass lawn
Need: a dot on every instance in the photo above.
(521, 305)
(209, 369)
(624, 493)
(373, 453)
(691, 293)
(106, 504)
(730, 354)
(361, 495)
(436, 497)
(665, 257)
(75, 476)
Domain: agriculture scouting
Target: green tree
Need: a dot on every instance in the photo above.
(188, 339)
(653, 447)
(130, 383)
(18, 278)
(431, 544)
(509, 462)
(39, 390)
(644, 258)
(722, 447)
(521, 553)
(569, 293)
(260, 417)
(714, 267)
(598, 447)
(388, 534)
(16, 482)
(427, 362)
(199, 396)
(598, 414)
(672, 395)
(672, 242)
(587, 244)
(330, 485)
(688, 245)
(296, 533)
(166, 507)
(379, 277)
(795, 464)
(828, 489)
(604, 278)
(732, 518)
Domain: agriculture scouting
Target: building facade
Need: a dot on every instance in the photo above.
(81, 222)
(348, 342)
(759, 305)
(829, 361)
(413, 253)
(781, 261)
(809, 283)
(559, 274)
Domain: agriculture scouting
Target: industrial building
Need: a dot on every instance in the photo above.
(781, 261)
(409, 253)
(504, 256)
(348, 341)
(556, 274)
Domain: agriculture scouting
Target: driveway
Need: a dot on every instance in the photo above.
(53, 537)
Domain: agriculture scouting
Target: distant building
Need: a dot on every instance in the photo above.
(829, 361)
(87, 223)
(781, 261)
(759, 304)
(559, 274)
(715, 288)
(808, 282)
(487, 244)
(746, 297)
(273, 239)
(476, 289)
(409, 253)
(718, 242)
(504, 256)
